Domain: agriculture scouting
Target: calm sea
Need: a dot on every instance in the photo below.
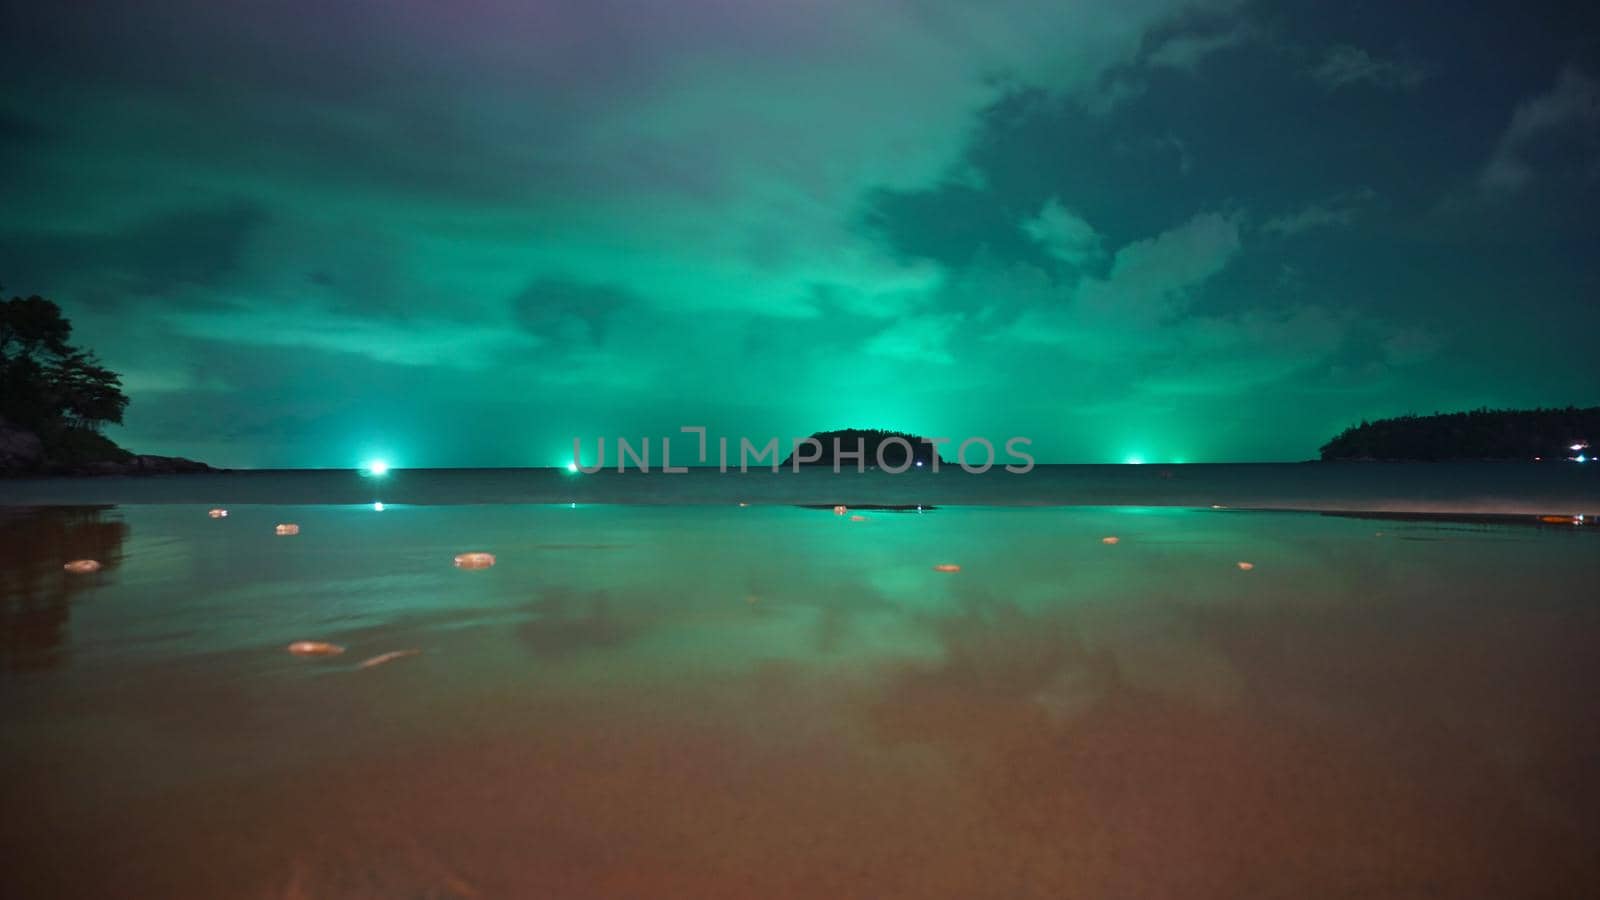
(1538, 488)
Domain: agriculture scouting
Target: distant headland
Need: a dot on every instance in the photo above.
(56, 398)
(1483, 434)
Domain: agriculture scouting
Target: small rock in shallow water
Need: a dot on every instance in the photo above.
(315, 648)
(287, 528)
(82, 566)
(474, 560)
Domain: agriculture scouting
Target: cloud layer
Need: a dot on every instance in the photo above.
(468, 232)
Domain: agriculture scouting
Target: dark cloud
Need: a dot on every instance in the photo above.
(567, 313)
(162, 257)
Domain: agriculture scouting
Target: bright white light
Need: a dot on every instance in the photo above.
(1134, 461)
(919, 463)
(378, 467)
(1577, 446)
(1582, 458)
(572, 467)
(377, 507)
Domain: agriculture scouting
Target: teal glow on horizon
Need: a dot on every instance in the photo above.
(377, 467)
(1113, 228)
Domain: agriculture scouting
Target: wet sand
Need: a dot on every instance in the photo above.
(734, 703)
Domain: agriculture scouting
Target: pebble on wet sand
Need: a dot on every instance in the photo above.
(474, 560)
(82, 566)
(387, 657)
(315, 648)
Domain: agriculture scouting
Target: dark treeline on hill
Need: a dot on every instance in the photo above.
(1508, 434)
(869, 439)
(56, 398)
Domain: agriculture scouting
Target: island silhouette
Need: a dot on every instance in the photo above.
(1482, 434)
(869, 440)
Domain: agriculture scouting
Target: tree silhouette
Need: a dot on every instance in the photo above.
(60, 392)
(44, 380)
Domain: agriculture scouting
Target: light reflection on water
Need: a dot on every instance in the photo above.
(656, 701)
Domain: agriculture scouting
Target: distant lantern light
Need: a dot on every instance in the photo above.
(286, 528)
(1582, 458)
(217, 513)
(840, 510)
(378, 506)
(82, 566)
(1110, 539)
(378, 467)
(919, 463)
(1577, 446)
(1246, 566)
(1134, 461)
(947, 568)
(474, 560)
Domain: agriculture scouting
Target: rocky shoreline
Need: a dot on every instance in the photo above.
(23, 455)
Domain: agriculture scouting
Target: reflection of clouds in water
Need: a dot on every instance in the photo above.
(1167, 655)
(35, 591)
(1063, 658)
(998, 662)
(567, 622)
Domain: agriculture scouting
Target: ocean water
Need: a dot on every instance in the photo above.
(658, 699)
(1521, 488)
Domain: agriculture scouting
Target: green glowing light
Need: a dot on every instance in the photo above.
(378, 467)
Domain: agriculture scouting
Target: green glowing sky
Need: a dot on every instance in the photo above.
(464, 233)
